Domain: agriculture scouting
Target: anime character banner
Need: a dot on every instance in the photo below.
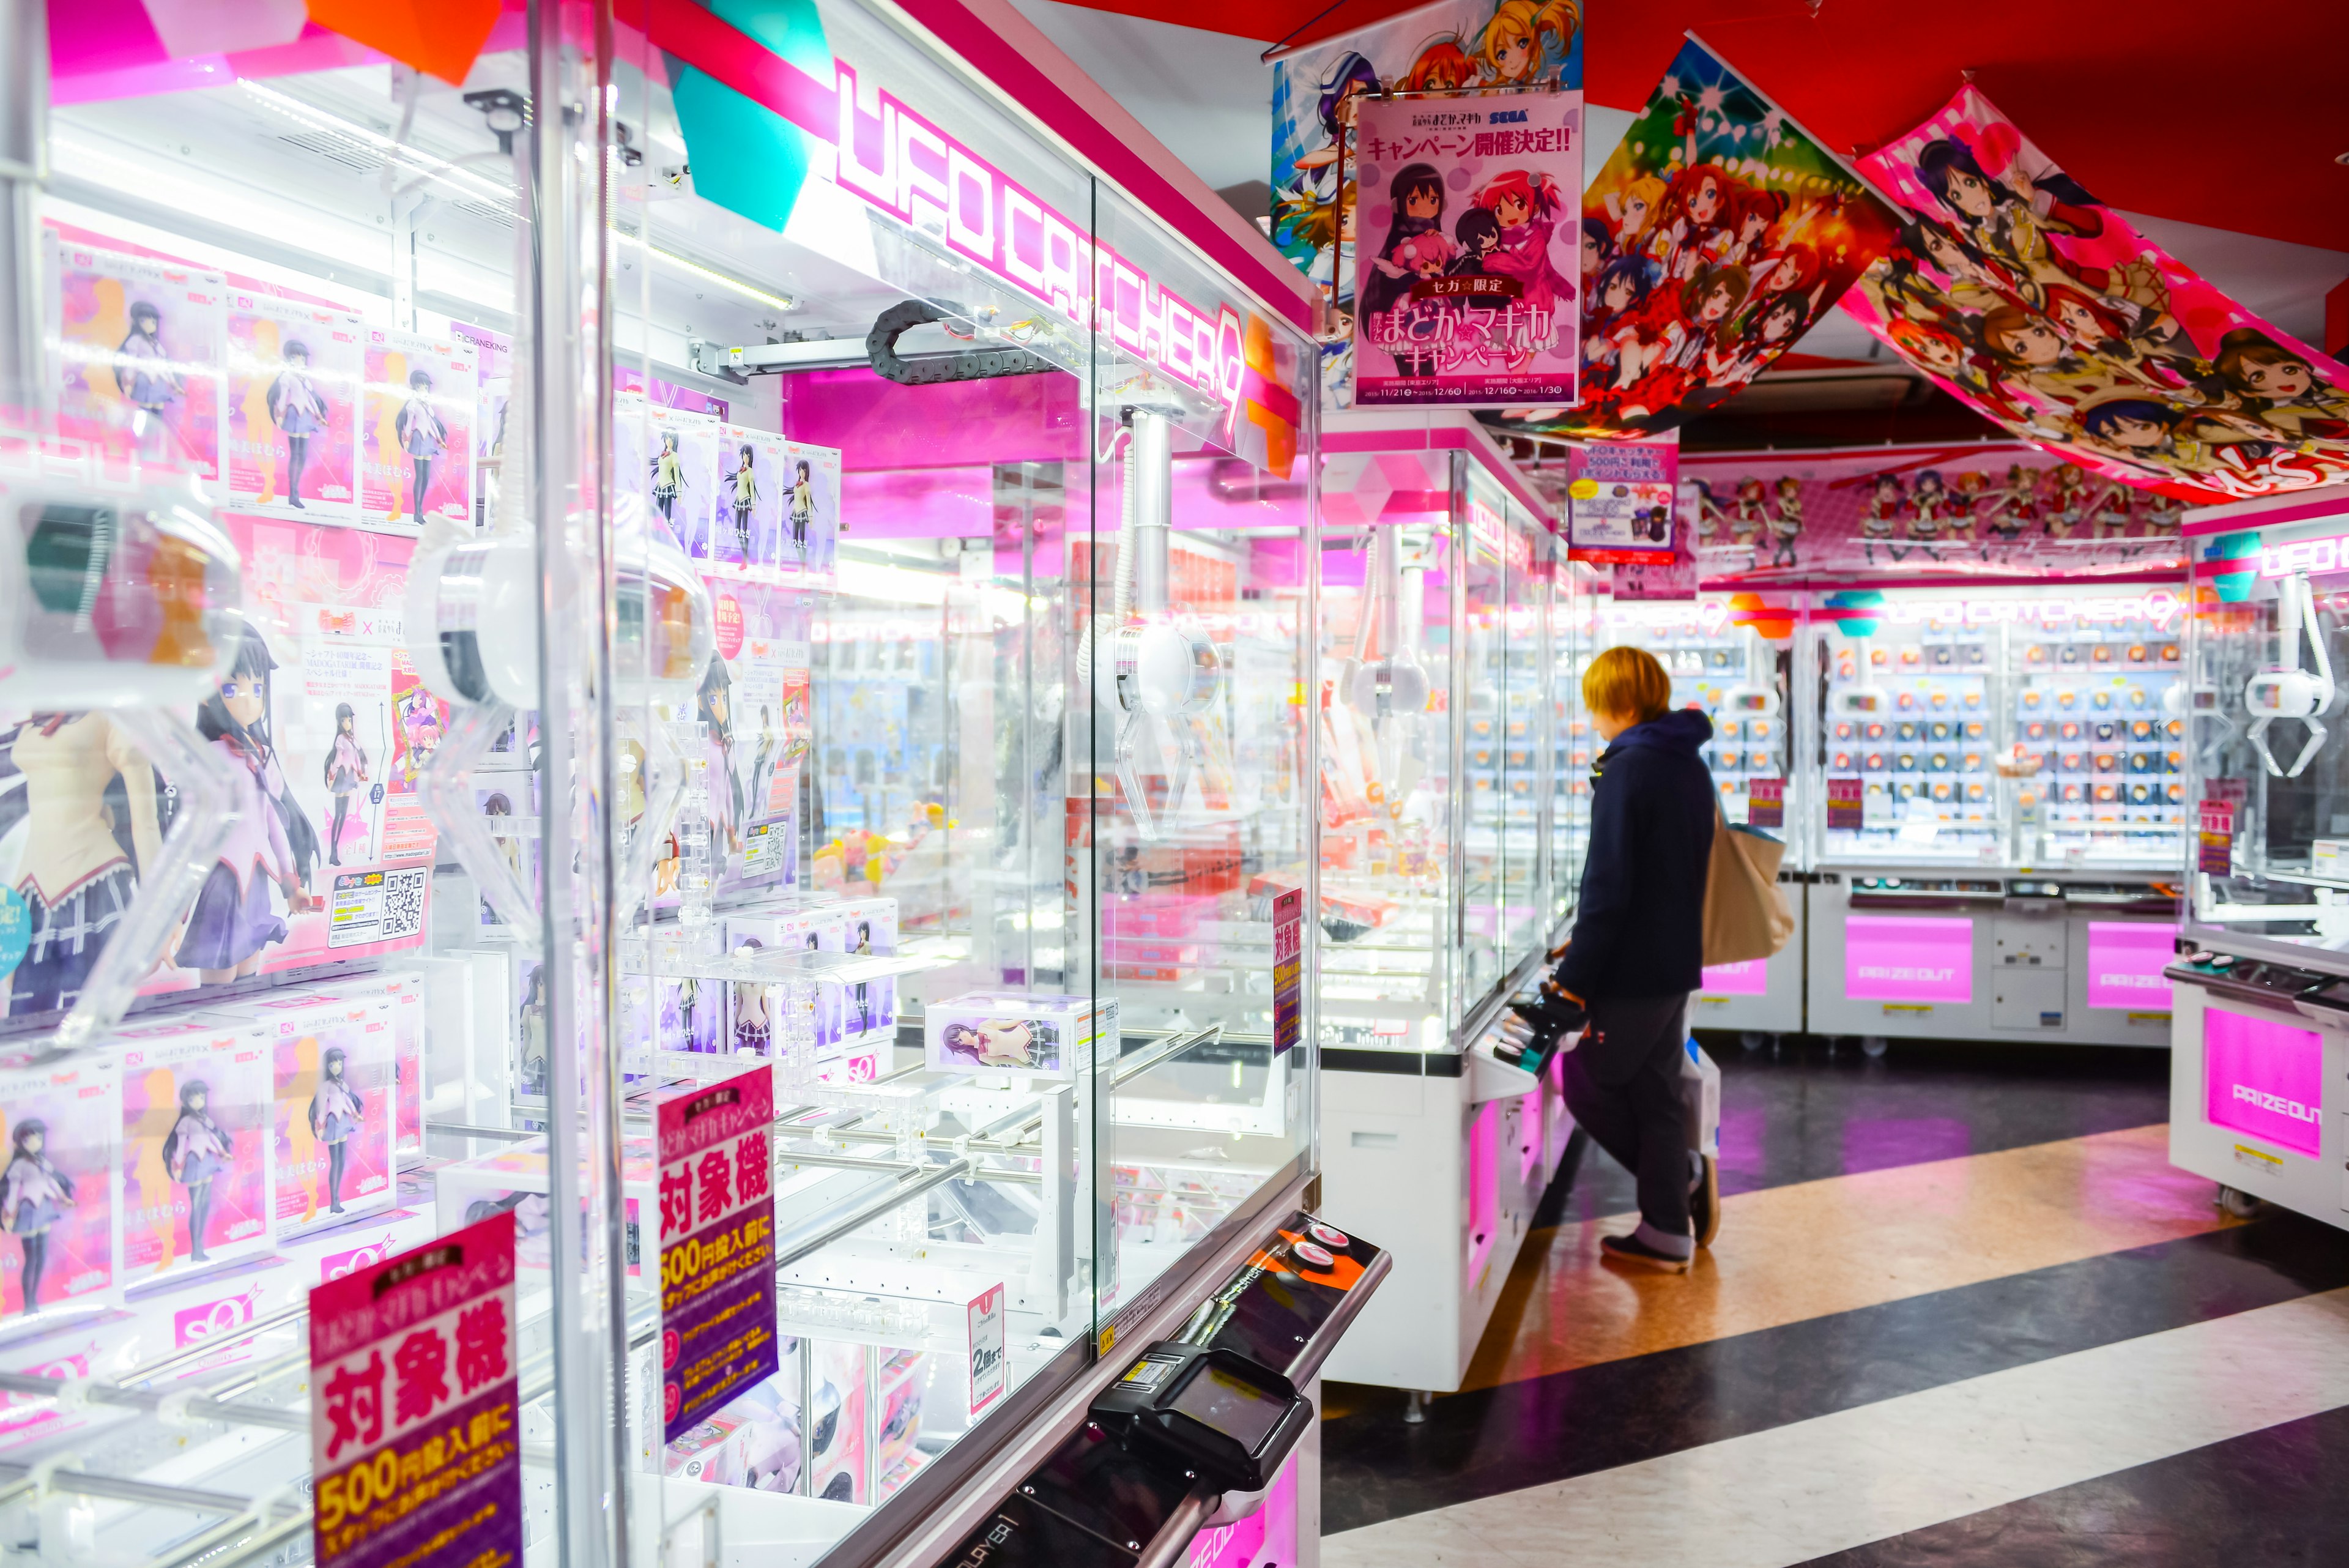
(1466, 297)
(1716, 233)
(417, 430)
(2000, 510)
(294, 374)
(1620, 503)
(2019, 292)
(138, 348)
(1485, 49)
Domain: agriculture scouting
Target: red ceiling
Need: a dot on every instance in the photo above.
(2230, 117)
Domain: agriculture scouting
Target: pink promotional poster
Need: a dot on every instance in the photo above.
(2017, 290)
(62, 1125)
(1467, 293)
(294, 375)
(417, 430)
(140, 350)
(195, 1147)
(2264, 1078)
(1908, 958)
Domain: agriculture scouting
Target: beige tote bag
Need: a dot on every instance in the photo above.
(1745, 915)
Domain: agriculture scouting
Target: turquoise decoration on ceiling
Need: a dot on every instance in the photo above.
(745, 157)
(1848, 608)
(2234, 587)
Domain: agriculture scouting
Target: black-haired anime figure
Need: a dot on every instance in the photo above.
(34, 1196)
(715, 707)
(745, 497)
(197, 1150)
(861, 944)
(298, 409)
(1004, 1042)
(802, 508)
(88, 804)
(336, 1109)
(346, 769)
(143, 374)
(423, 436)
(272, 840)
(668, 477)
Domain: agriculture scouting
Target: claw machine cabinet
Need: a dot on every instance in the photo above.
(1437, 705)
(1733, 656)
(2258, 1096)
(2001, 771)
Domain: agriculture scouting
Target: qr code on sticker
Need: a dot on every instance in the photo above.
(403, 903)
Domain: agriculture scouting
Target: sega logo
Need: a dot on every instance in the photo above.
(1507, 116)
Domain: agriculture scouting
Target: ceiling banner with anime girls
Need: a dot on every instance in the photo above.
(1996, 510)
(1466, 299)
(2020, 293)
(1483, 50)
(1718, 232)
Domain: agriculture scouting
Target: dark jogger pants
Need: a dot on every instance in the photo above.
(1623, 1084)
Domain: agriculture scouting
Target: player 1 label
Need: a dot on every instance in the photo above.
(415, 1435)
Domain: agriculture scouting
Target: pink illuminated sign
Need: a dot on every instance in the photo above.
(1908, 958)
(893, 158)
(2126, 958)
(2263, 1077)
(1750, 978)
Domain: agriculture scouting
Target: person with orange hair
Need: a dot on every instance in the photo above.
(1636, 952)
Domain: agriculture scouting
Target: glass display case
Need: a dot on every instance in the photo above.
(1438, 707)
(629, 692)
(2018, 727)
(1445, 595)
(2002, 775)
(2260, 1044)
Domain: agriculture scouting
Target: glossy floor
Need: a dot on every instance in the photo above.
(1961, 1311)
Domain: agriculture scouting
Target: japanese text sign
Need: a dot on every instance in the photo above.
(1288, 965)
(1469, 297)
(2216, 840)
(717, 1245)
(415, 1441)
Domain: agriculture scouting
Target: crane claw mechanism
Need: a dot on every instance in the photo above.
(2284, 689)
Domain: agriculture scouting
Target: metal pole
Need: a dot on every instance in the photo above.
(569, 354)
(24, 169)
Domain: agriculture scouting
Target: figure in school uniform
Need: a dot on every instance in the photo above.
(272, 842)
(144, 376)
(338, 1111)
(346, 769)
(298, 409)
(423, 436)
(197, 1151)
(34, 1196)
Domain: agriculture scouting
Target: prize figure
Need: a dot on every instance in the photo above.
(197, 1150)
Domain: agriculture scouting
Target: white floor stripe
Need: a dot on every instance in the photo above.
(1799, 1491)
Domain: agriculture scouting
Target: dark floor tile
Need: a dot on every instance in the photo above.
(1547, 1428)
(2273, 1498)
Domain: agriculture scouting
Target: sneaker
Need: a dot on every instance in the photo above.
(1705, 1204)
(1631, 1249)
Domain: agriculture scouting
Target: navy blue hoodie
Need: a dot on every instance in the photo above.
(1639, 926)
